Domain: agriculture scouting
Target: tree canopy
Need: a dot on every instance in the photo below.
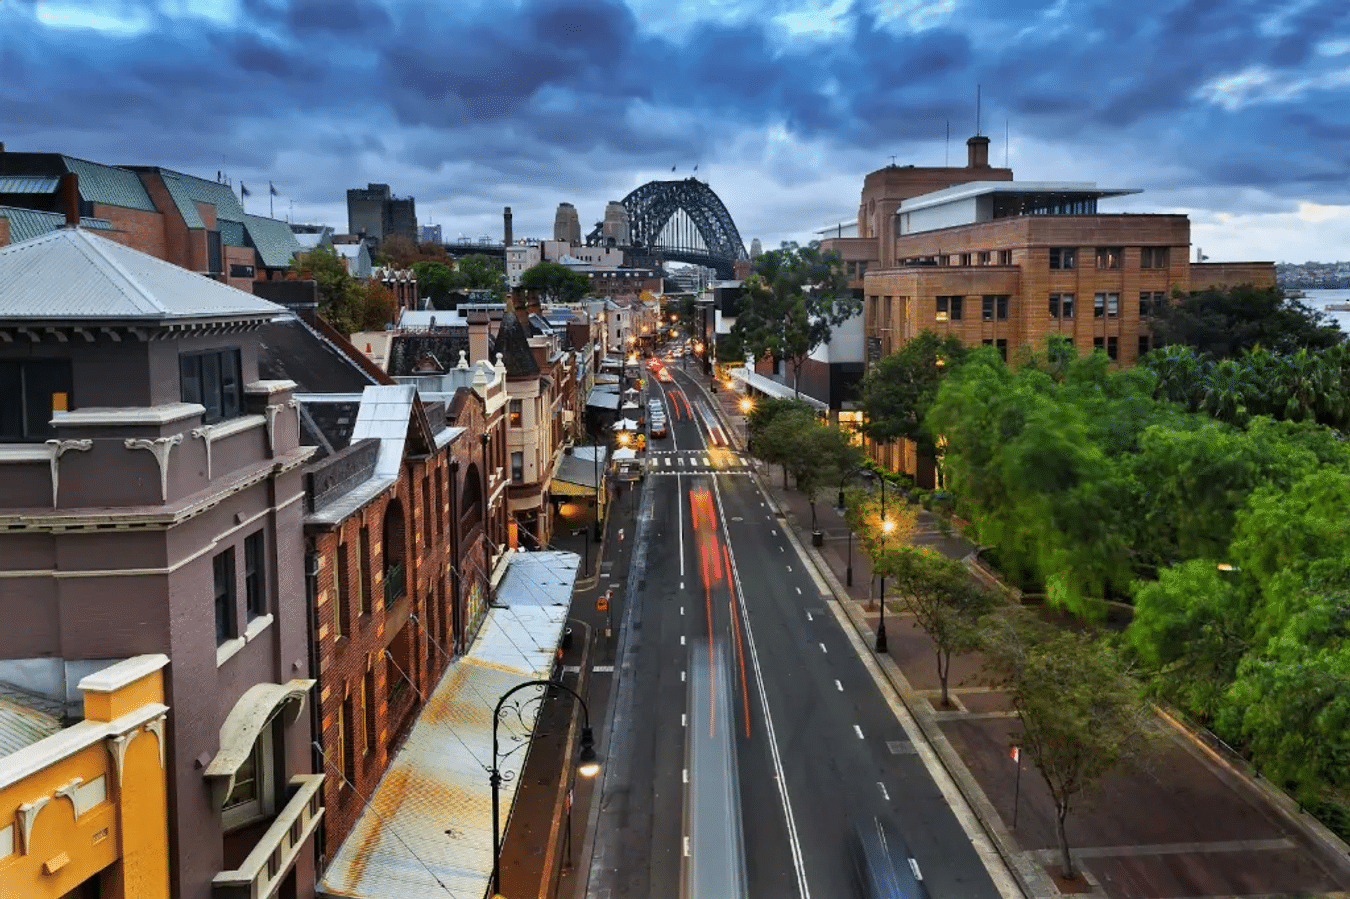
(555, 282)
(346, 303)
(1227, 322)
(435, 282)
(793, 301)
(900, 389)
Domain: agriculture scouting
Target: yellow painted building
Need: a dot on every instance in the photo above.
(83, 807)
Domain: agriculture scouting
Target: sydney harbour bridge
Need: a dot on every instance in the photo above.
(668, 221)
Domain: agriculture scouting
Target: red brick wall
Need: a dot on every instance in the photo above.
(4, 232)
(135, 228)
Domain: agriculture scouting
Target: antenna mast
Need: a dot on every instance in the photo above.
(977, 110)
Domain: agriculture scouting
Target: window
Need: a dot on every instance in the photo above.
(1105, 304)
(1151, 302)
(862, 268)
(363, 572)
(31, 392)
(995, 307)
(426, 512)
(240, 271)
(341, 591)
(985, 257)
(254, 793)
(1098, 343)
(1005, 257)
(944, 259)
(255, 576)
(1063, 258)
(1109, 257)
(346, 744)
(949, 307)
(368, 709)
(212, 379)
(515, 411)
(440, 502)
(1113, 347)
(223, 570)
(213, 253)
(1061, 305)
(852, 269)
(965, 259)
(517, 467)
(1154, 257)
(1000, 344)
(1145, 344)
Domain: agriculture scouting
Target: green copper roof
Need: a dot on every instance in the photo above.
(109, 185)
(25, 224)
(273, 239)
(188, 190)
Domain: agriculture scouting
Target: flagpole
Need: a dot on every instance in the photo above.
(271, 193)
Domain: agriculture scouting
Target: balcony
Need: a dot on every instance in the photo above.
(260, 874)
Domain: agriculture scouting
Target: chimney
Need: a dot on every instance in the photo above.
(506, 222)
(2, 146)
(478, 336)
(70, 198)
(977, 152)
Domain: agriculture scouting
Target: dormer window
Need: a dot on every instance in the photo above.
(213, 379)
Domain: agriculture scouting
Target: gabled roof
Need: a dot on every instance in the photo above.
(189, 190)
(514, 346)
(274, 240)
(73, 274)
(290, 350)
(110, 185)
(26, 224)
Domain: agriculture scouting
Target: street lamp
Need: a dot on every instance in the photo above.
(886, 527)
(848, 572)
(588, 763)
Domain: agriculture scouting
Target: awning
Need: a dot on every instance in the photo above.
(770, 387)
(626, 424)
(602, 399)
(430, 819)
(578, 472)
(624, 454)
(259, 704)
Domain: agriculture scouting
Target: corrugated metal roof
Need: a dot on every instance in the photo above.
(28, 184)
(385, 413)
(26, 224)
(22, 726)
(274, 240)
(110, 185)
(430, 819)
(189, 190)
(74, 274)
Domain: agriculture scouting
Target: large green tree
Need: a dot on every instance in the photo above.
(791, 305)
(435, 282)
(555, 282)
(346, 303)
(480, 272)
(900, 389)
(1227, 322)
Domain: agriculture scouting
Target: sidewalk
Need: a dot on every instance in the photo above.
(1185, 826)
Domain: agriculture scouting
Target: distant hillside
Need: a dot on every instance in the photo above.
(1313, 275)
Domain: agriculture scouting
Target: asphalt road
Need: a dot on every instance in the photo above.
(816, 744)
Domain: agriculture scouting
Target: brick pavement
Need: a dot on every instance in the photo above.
(1182, 825)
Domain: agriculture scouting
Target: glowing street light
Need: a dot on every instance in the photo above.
(746, 405)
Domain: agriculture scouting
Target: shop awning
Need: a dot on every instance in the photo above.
(430, 821)
(770, 387)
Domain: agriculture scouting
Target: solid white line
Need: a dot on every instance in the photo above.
(858, 730)
(780, 780)
(837, 684)
(822, 648)
(884, 794)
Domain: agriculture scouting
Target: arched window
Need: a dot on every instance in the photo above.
(395, 571)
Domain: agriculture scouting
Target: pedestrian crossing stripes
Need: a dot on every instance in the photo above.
(695, 461)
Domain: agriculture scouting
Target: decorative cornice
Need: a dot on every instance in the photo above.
(156, 726)
(59, 448)
(27, 814)
(213, 432)
(160, 448)
(117, 747)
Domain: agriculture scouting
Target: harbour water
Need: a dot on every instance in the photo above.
(1319, 299)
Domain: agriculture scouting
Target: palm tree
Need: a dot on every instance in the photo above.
(1179, 369)
(1224, 391)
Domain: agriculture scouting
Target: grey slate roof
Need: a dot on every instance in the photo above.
(110, 185)
(28, 184)
(73, 274)
(26, 224)
(406, 350)
(188, 190)
(290, 350)
(514, 345)
(274, 240)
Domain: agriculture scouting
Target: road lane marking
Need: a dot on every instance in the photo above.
(884, 794)
(789, 568)
(823, 649)
(684, 719)
(679, 516)
(686, 847)
(799, 591)
(808, 616)
(858, 730)
(836, 683)
(686, 776)
(681, 639)
(781, 549)
(773, 531)
(681, 585)
(682, 679)
(681, 610)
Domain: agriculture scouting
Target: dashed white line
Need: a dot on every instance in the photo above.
(681, 639)
(858, 731)
(808, 616)
(789, 568)
(782, 549)
(884, 794)
(799, 591)
(774, 531)
(681, 585)
(686, 777)
(822, 648)
(838, 685)
(682, 679)
(686, 847)
(681, 610)
(684, 720)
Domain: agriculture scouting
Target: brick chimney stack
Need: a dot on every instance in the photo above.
(70, 198)
(506, 222)
(977, 152)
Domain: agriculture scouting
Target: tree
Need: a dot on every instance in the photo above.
(1082, 714)
(900, 389)
(818, 458)
(435, 282)
(1227, 322)
(778, 440)
(480, 272)
(345, 303)
(791, 305)
(556, 283)
(862, 511)
(944, 601)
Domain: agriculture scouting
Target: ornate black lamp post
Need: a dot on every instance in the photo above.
(588, 763)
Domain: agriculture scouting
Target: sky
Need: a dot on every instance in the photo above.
(1235, 112)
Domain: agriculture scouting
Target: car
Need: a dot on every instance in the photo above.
(658, 428)
(882, 865)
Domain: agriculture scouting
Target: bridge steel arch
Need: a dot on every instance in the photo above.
(651, 206)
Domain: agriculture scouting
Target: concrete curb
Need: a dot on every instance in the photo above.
(552, 857)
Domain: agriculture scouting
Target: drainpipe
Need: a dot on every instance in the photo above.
(315, 713)
(456, 625)
(487, 516)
